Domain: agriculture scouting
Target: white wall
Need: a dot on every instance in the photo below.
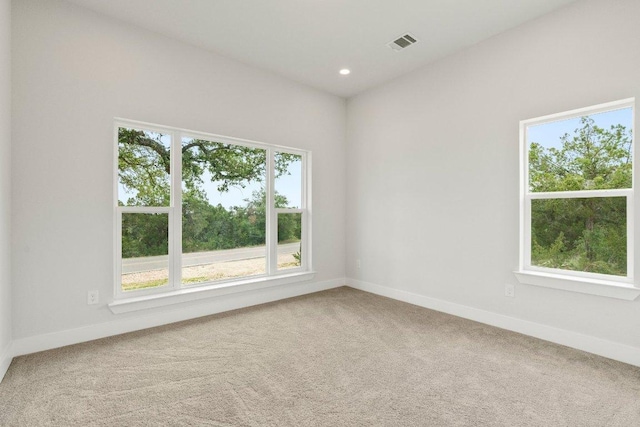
(74, 71)
(5, 179)
(433, 158)
(433, 164)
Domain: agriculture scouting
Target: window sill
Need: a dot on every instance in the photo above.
(582, 285)
(202, 292)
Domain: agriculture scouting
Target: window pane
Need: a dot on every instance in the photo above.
(144, 164)
(587, 234)
(223, 211)
(289, 240)
(145, 250)
(584, 153)
(288, 182)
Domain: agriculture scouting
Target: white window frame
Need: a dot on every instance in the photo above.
(583, 282)
(144, 298)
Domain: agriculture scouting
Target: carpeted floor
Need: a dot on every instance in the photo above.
(335, 358)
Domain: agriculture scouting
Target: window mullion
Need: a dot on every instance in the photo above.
(143, 209)
(306, 216)
(118, 252)
(630, 236)
(303, 241)
(271, 216)
(175, 230)
(526, 246)
(625, 192)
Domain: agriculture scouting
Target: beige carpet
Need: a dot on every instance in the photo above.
(336, 358)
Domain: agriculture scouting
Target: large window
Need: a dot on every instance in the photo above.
(197, 209)
(577, 194)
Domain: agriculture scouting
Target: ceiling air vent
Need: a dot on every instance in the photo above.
(402, 42)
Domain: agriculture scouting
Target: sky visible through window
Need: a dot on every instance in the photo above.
(286, 185)
(548, 134)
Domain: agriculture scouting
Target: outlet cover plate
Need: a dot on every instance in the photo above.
(509, 290)
(93, 297)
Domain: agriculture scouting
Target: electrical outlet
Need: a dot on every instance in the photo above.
(93, 297)
(358, 264)
(509, 291)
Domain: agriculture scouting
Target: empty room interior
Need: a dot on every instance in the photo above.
(319, 212)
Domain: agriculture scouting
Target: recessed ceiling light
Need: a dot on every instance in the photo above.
(345, 71)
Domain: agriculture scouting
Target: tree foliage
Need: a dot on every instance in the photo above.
(144, 166)
(144, 235)
(144, 161)
(583, 234)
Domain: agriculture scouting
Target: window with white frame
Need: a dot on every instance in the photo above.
(199, 209)
(577, 194)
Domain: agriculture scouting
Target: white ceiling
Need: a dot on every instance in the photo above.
(309, 41)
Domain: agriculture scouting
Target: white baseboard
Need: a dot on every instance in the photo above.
(52, 340)
(21, 346)
(612, 350)
(5, 360)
